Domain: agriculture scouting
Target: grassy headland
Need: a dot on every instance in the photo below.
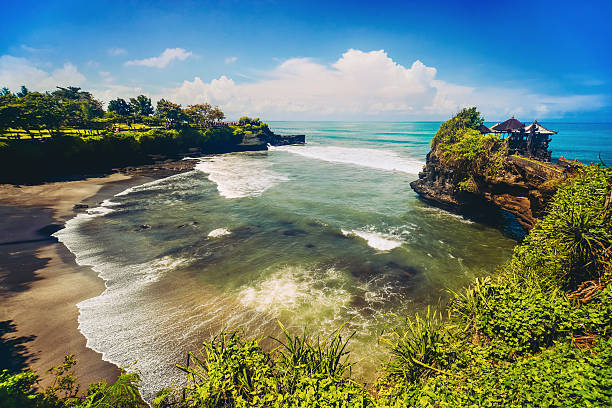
(46, 135)
(535, 333)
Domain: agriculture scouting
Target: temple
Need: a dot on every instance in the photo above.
(530, 141)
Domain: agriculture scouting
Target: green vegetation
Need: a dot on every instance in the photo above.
(33, 160)
(237, 372)
(45, 135)
(18, 390)
(537, 333)
(459, 144)
(54, 113)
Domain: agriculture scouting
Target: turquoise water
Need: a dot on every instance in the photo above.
(582, 141)
(313, 236)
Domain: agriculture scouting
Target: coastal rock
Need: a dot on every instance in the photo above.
(261, 140)
(523, 187)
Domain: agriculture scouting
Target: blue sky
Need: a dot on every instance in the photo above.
(323, 60)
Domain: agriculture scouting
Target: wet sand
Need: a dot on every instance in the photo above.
(40, 282)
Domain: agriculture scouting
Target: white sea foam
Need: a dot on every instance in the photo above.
(440, 213)
(154, 183)
(364, 157)
(240, 175)
(305, 292)
(219, 232)
(377, 240)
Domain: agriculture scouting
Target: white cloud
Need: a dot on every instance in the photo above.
(15, 72)
(111, 91)
(107, 77)
(229, 60)
(30, 49)
(117, 51)
(366, 85)
(166, 57)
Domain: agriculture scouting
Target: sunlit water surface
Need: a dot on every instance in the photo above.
(313, 236)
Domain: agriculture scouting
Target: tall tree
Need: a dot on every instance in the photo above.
(198, 114)
(216, 114)
(9, 114)
(80, 107)
(170, 112)
(120, 107)
(141, 105)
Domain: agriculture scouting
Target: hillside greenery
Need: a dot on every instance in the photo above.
(459, 143)
(68, 131)
(39, 114)
(536, 333)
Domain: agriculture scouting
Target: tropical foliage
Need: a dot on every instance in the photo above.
(536, 333)
(86, 139)
(459, 143)
(53, 113)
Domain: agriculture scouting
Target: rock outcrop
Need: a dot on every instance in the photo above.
(523, 187)
(261, 140)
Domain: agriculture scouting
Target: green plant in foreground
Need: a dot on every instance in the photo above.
(535, 334)
(417, 347)
(19, 390)
(233, 371)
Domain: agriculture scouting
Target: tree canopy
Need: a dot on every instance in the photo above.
(141, 105)
(75, 108)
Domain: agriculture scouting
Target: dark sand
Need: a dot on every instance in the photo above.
(40, 282)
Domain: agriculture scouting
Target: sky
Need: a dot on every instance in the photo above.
(322, 60)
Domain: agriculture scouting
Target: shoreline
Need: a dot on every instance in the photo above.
(40, 281)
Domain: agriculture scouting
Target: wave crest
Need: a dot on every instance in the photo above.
(364, 157)
(240, 175)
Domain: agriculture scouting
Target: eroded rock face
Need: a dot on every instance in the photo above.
(267, 137)
(523, 188)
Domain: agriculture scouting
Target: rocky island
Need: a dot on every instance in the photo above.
(472, 168)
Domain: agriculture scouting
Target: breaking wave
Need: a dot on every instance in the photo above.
(373, 158)
(240, 175)
(376, 240)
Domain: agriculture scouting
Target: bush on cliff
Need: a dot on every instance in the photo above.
(527, 337)
(535, 334)
(19, 390)
(236, 372)
(39, 159)
(459, 143)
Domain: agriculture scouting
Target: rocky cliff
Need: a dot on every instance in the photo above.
(521, 187)
(468, 171)
(261, 140)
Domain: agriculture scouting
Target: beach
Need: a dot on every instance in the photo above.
(40, 282)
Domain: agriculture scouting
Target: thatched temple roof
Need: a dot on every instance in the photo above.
(535, 127)
(511, 125)
(484, 130)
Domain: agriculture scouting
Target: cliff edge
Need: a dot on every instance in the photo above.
(467, 171)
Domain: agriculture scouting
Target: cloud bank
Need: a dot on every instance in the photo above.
(165, 58)
(358, 86)
(15, 72)
(368, 86)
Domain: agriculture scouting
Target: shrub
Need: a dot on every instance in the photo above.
(417, 347)
(573, 243)
(236, 372)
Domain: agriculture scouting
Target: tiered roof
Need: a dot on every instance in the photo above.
(510, 125)
(535, 127)
(484, 130)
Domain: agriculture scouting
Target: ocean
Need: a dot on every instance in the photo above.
(313, 236)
